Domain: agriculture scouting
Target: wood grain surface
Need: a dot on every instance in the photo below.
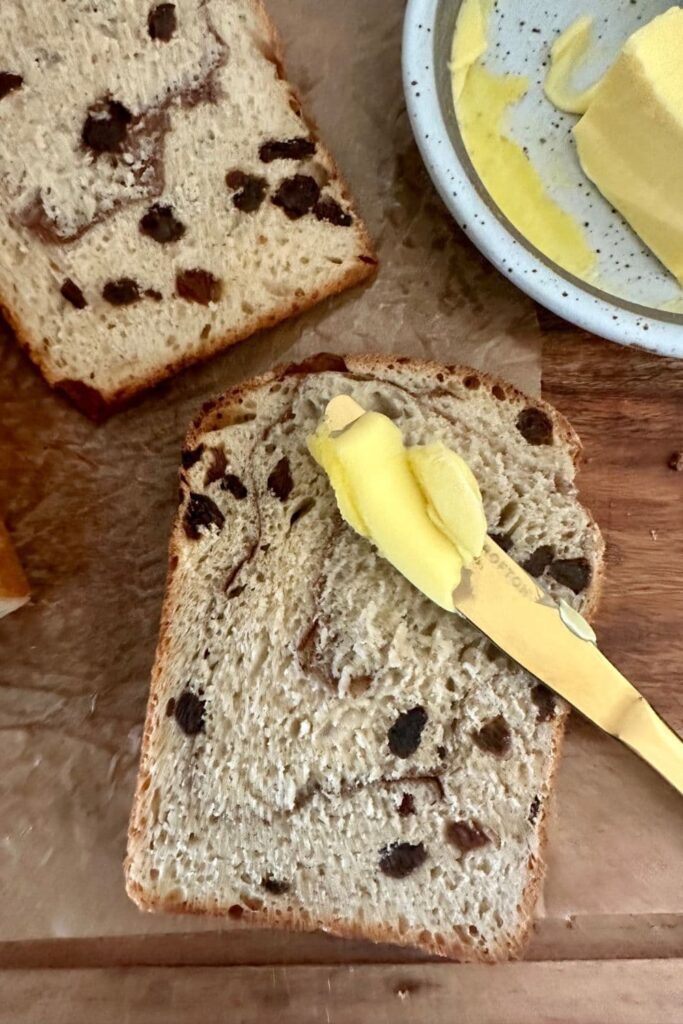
(627, 406)
(590, 992)
(588, 937)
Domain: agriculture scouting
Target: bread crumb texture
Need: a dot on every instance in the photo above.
(161, 194)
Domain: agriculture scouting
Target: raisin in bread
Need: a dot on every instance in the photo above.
(14, 590)
(161, 195)
(325, 747)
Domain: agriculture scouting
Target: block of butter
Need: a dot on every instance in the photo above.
(630, 140)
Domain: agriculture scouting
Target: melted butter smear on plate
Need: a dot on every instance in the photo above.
(482, 100)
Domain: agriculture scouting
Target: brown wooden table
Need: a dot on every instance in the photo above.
(596, 968)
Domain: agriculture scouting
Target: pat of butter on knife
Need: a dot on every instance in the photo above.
(420, 505)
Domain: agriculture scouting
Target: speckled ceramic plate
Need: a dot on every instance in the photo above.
(636, 301)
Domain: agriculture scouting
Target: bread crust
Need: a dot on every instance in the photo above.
(14, 588)
(98, 404)
(302, 920)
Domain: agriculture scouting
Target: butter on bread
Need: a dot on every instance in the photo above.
(419, 504)
(14, 588)
(324, 746)
(162, 195)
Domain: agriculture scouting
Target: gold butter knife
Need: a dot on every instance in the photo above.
(557, 646)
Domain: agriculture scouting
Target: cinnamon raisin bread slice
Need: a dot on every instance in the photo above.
(161, 195)
(325, 747)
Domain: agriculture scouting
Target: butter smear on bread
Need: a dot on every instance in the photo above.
(420, 505)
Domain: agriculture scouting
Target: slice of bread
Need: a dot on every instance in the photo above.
(324, 747)
(161, 194)
(14, 589)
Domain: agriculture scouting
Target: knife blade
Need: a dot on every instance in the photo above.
(557, 646)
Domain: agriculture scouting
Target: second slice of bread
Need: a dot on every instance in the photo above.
(161, 193)
(325, 747)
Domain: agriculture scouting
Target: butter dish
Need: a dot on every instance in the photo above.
(632, 299)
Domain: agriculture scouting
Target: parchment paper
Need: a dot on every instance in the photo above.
(90, 508)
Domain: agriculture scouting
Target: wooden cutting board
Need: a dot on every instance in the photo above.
(627, 407)
(608, 945)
